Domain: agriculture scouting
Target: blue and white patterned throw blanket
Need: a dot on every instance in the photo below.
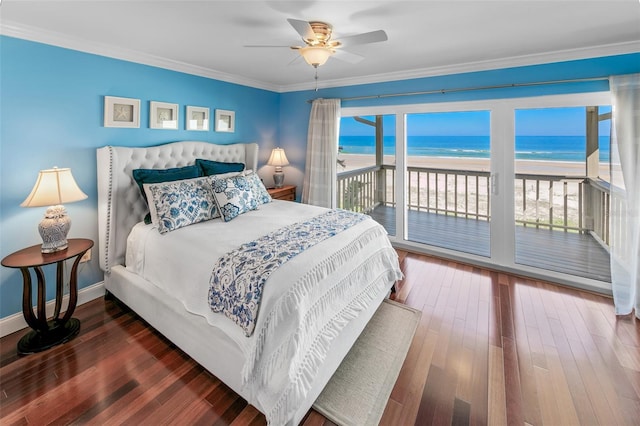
(238, 278)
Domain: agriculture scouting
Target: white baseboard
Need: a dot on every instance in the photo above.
(16, 322)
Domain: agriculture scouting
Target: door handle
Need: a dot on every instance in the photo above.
(494, 184)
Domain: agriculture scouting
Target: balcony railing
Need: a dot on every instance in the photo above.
(357, 189)
(597, 202)
(567, 203)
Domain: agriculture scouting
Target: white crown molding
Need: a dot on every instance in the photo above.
(21, 31)
(16, 322)
(39, 35)
(515, 61)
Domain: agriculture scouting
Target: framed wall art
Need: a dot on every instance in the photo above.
(121, 112)
(225, 121)
(163, 115)
(197, 118)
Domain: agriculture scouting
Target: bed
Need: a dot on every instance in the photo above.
(312, 309)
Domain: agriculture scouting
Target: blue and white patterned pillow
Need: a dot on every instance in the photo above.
(260, 193)
(234, 196)
(180, 203)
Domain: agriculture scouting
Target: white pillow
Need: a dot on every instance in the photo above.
(260, 193)
(173, 205)
(234, 196)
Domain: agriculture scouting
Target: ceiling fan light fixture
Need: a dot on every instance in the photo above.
(316, 55)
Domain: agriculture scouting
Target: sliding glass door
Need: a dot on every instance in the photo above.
(561, 189)
(447, 180)
(366, 167)
(508, 182)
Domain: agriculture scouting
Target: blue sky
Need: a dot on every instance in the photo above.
(532, 122)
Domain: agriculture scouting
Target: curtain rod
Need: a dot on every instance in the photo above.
(470, 89)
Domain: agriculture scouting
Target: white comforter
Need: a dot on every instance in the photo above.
(305, 303)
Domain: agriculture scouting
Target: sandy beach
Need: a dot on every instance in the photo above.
(565, 168)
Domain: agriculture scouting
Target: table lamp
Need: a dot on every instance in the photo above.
(54, 187)
(278, 159)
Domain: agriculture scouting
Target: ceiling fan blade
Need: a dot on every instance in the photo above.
(294, 60)
(303, 28)
(266, 45)
(349, 57)
(364, 38)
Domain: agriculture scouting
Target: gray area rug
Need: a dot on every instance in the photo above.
(358, 392)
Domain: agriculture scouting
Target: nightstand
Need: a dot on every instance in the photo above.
(287, 193)
(46, 334)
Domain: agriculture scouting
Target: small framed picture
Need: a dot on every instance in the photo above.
(197, 118)
(121, 112)
(163, 115)
(225, 121)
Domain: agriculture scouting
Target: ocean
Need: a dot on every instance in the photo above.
(548, 148)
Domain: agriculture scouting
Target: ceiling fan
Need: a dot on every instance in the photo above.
(319, 46)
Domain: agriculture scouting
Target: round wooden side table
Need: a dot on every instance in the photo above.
(48, 333)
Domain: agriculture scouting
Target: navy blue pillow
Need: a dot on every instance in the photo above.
(142, 176)
(210, 167)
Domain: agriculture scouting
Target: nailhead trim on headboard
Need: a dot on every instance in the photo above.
(108, 224)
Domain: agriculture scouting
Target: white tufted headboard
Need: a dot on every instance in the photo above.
(120, 204)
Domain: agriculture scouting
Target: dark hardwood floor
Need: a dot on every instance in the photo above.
(491, 348)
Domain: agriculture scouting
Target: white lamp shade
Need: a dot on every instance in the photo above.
(316, 55)
(278, 158)
(54, 186)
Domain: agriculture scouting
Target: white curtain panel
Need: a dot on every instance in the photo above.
(319, 186)
(625, 193)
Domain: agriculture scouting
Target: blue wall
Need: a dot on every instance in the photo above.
(52, 115)
(52, 107)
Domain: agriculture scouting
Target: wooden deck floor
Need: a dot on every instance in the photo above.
(576, 254)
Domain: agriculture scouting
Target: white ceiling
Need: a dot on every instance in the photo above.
(425, 37)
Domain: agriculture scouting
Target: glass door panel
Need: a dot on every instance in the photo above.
(448, 180)
(561, 189)
(366, 167)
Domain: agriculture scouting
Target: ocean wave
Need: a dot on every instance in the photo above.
(536, 152)
(544, 148)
